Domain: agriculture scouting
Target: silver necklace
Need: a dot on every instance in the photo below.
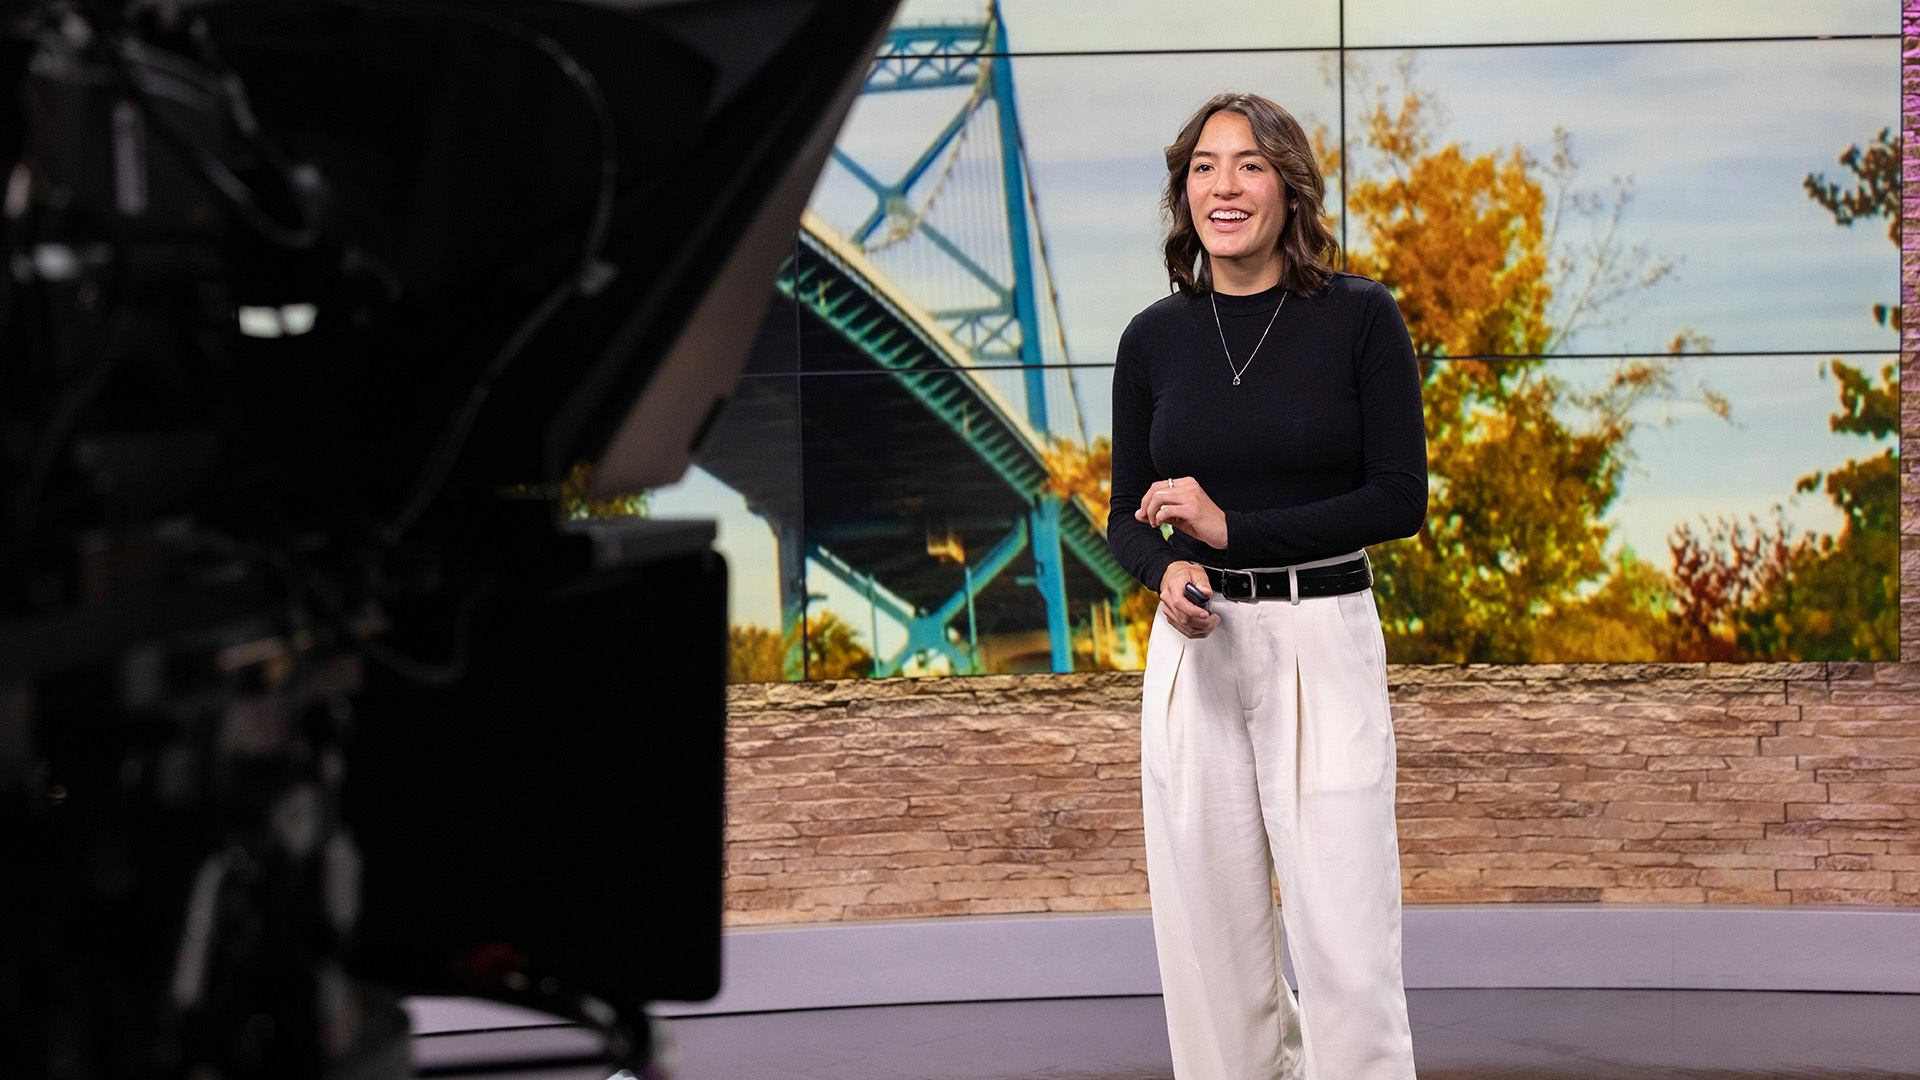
(1242, 369)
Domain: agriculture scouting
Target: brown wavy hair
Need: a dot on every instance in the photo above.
(1309, 246)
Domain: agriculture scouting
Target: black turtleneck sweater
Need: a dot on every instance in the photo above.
(1319, 451)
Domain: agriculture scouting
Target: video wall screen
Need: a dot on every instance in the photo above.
(1670, 433)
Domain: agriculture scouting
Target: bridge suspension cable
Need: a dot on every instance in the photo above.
(960, 229)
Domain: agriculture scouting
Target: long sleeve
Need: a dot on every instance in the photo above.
(1391, 501)
(1137, 546)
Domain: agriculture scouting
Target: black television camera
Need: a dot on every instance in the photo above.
(315, 319)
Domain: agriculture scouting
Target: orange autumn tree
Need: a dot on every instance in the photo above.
(1513, 564)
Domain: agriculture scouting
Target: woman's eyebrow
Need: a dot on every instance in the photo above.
(1240, 153)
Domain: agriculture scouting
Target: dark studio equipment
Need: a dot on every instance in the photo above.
(304, 705)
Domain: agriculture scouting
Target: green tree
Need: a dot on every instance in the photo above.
(1839, 597)
(1849, 592)
(1873, 192)
(1859, 576)
(1768, 595)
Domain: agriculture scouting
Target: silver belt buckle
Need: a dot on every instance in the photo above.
(1250, 589)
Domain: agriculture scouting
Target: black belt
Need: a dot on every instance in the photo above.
(1336, 580)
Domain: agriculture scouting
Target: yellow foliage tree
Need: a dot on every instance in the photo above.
(834, 650)
(754, 654)
(1085, 472)
(1513, 561)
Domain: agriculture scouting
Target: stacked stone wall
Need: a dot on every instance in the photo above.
(1676, 783)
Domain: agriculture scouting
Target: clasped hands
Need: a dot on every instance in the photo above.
(1184, 504)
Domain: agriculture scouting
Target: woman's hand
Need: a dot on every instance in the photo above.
(1187, 617)
(1183, 503)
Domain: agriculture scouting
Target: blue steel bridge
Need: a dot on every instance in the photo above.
(922, 486)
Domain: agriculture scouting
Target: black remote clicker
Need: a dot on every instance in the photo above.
(1195, 595)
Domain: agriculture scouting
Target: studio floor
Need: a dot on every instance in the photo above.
(1513, 1034)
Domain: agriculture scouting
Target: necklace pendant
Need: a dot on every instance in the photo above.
(1236, 380)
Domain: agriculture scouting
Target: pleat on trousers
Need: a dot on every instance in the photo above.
(1267, 751)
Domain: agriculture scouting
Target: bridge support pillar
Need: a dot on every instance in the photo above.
(1050, 576)
(927, 631)
(791, 541)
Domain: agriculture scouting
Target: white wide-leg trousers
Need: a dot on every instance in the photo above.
(1266, 749)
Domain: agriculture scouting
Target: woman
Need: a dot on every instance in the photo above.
(1269, 411)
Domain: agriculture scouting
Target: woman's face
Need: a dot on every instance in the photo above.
(1237, 200)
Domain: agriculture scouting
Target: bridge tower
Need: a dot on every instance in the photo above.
(1007, 329)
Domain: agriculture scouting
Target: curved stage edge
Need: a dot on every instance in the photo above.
(1018, 957)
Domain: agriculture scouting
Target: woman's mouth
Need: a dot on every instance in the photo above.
(1227, 220)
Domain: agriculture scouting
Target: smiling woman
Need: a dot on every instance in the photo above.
(1238, 204)
(1265, 739)
(1243, 185)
